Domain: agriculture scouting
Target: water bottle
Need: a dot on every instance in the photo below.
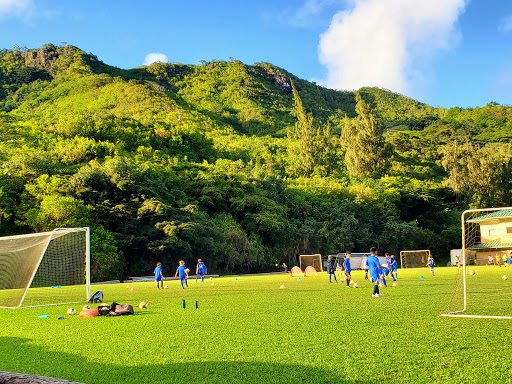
(183, 304)
(195, 304)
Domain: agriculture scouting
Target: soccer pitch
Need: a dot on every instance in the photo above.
(250, 331)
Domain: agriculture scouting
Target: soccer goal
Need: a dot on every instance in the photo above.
(45, 268)
(311, 260)
(414, 259)
(479, 290)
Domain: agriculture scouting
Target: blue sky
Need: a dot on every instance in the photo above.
(441, 52)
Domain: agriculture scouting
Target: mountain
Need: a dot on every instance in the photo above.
(174, 161)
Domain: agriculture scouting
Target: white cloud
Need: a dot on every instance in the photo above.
(506, 24)
(19, 8)
(154, 58)
(387, 44)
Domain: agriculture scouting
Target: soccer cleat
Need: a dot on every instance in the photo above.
(375, 296)
(379, 295)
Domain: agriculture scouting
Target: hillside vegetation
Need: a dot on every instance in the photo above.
(242, 166)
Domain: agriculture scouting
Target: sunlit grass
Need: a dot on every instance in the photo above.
(250, 331)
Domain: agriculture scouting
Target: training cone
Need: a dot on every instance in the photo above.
(213, 283)
(282, 287)
(395, 284)
(298, 278)
(421, 277)
(127, 287)
(133, 289)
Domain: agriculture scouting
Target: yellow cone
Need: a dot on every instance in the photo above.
(282, 287)
(395, 284)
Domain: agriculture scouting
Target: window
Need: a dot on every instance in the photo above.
(492, 232)
(509, 230)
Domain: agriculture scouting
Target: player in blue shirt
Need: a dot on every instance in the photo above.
(374, 266)
(364, 266)
(330, 269)
(348, 269)
(383, 274)
(430, 263)
(159, 277)
(200, 270)
(393, 268)
(182, 271)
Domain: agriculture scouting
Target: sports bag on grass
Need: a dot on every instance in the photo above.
(97, 297)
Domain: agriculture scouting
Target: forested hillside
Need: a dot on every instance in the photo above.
(242, 166)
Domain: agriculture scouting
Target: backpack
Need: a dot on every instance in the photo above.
(97, 297)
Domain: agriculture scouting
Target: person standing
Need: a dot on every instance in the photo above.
(348, 269)
(159, 277)
(182, 271)
(200, 270)
(373, 267)
(430, 263)
(364, 266)
(330, 269)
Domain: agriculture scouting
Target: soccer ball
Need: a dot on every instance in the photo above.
(143, 305)
(187, 270)
(504, 277)
(71, 311)
(85, 307)
(472, 272)
(355, 285)
(166, 287)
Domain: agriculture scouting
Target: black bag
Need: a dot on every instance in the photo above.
(97, 297)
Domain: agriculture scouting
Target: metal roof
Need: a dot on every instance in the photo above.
(503, 214)
(493, 244)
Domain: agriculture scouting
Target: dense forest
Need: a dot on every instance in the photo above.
(242, 166)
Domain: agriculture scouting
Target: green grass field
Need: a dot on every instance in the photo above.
(250, 331)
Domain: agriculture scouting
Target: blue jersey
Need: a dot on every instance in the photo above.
(181, 271)
(431, 262)
(346, 263)
(373, 266)
(158, 273)
(389, 260)
(364, 263)
(201, 268)
(393, 264)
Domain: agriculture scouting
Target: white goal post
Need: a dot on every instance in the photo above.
(311, 260)
(415, 258)
(484, 232)
(45, 268)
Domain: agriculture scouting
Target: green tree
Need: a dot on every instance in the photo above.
(366, 152)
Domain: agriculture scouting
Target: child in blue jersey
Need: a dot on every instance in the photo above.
(388, 264)
(348, 269)
(510, 259)
(364, 266)
(330, 269)
(394, 268)
(200, 270)
(182, 272)
(430, 263)
(159, 277)
(374, 267)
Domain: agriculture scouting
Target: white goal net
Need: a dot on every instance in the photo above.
(311, 260)
(414, 259)
(45, 268)
(481, 288)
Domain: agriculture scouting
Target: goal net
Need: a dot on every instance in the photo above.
(45, 268)
(481, 289)
(414, 259)
(311, 260)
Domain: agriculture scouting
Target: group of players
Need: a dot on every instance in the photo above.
(181, 272)
(371, 265)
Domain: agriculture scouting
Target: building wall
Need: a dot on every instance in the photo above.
(501, 231)
(482, 257)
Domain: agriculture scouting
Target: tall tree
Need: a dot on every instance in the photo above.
(366, 152)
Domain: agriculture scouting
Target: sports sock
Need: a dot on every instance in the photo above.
(375, 289)
(202, 278)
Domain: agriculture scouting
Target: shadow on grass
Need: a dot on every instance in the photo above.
(18, 355)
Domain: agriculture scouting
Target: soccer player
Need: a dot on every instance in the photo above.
(498, 260)
(430, 263)
(389, 261)
(373, 267)
(510, 259)
(200, 270)
(364, 266)
(181, 271)
(383, 274)
(457, 261)
(339, 270)
(491, 261)
(505, 259)
(159, 277)
(330, 269)
(348, 269)
(394, 268)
